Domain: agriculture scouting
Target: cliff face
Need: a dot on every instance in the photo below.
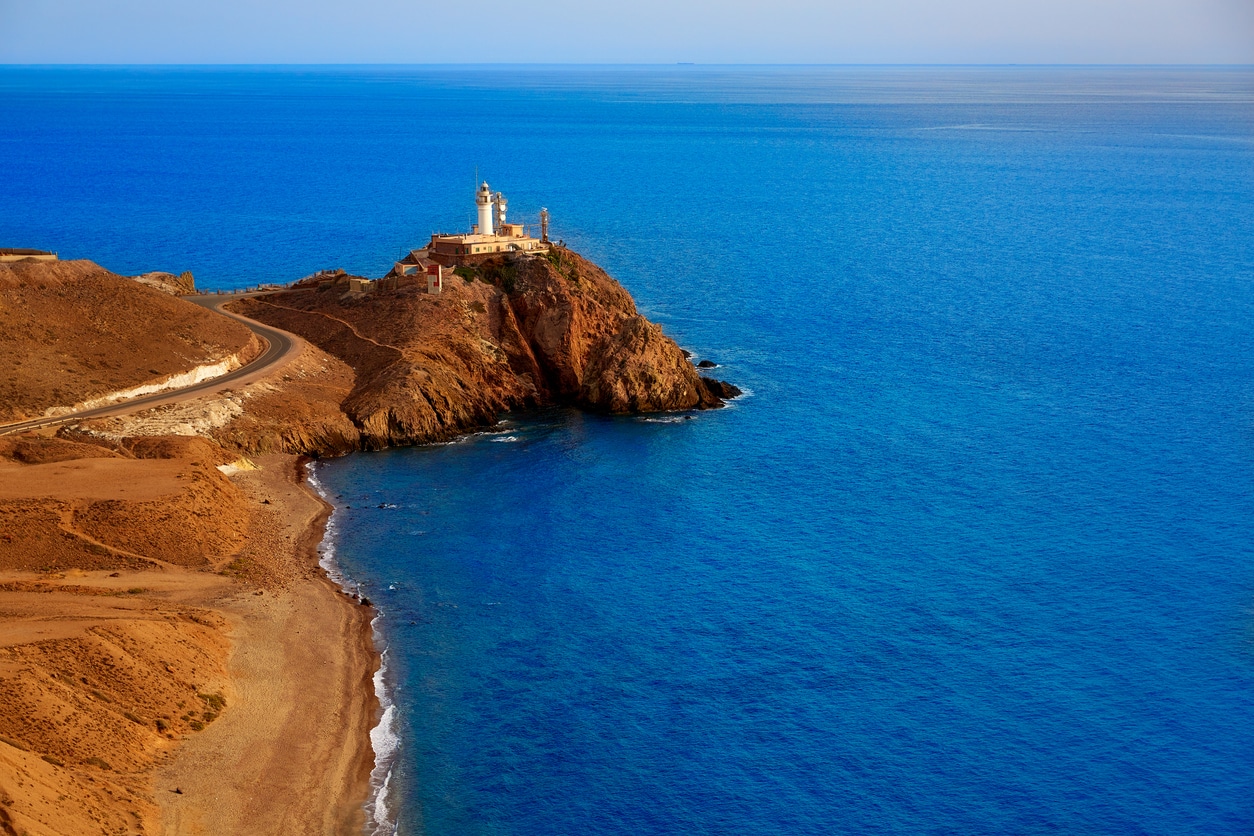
(517, 333)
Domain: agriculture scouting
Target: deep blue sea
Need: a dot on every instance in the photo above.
(975, 553)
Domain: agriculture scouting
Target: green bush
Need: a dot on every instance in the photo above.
(217, 702)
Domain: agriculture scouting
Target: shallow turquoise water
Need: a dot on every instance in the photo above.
(974, 556)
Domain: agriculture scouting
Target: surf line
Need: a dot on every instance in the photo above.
(384, 737)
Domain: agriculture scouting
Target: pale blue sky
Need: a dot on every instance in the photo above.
(627, 31)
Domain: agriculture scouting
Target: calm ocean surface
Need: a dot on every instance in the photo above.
(974, 556)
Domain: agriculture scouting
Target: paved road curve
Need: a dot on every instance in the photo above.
(279, 346)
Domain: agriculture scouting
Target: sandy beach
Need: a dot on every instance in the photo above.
(108, 678)
(293, 756)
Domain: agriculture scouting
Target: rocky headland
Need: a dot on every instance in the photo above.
(172, 658)
(507, 335)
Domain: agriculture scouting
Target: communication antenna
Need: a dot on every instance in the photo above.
(499, 200)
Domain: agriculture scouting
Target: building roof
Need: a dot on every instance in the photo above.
(473, 238)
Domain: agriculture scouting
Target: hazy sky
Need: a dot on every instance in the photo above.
(627, 31)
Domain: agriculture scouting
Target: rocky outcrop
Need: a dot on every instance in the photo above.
(720, 389)
(180, 285)
(515, 333)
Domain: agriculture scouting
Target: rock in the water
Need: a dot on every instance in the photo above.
(720, 389)
(707, 364)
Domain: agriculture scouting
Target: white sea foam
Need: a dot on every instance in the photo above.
(386, 741)
(384, 737)
(670, 419)
(745, 394)
(468, 438)
(506, 438)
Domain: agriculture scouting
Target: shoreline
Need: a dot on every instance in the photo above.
(384, 744)
(296, 755)
(195, 698)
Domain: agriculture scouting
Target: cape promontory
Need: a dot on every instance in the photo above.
(513, 332)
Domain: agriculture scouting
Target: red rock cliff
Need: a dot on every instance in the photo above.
(518, 333)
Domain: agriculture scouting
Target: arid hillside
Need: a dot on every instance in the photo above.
(128, 573)
(71, 332)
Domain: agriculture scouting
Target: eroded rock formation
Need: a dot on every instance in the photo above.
(513, 333)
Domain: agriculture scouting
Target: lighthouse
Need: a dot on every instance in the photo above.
(484, 200)
(493, 235)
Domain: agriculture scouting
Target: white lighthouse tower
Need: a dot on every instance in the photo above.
(491, 236)
(484, 200)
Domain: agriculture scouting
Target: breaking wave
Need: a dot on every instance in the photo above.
(384, 737)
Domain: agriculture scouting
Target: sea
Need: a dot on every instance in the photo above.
(974, 552)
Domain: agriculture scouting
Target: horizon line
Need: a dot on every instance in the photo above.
(653, 64)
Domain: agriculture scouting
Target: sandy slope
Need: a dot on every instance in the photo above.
(289, 758)
(122, 680)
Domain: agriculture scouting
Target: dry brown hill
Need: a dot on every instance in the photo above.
(71, 331)
(149, 565)
(104, 664)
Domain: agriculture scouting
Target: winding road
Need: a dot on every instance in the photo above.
(280, 346)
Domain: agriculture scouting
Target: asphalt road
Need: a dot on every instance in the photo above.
(279, 345)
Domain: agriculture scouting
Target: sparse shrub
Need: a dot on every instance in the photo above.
(238, 566)
(128, 715)
(216, 702)
(162, 726)
(197, 725)
(504, 276)
(467, 273)
(509, 278)
(54, 761)
(103, 764)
